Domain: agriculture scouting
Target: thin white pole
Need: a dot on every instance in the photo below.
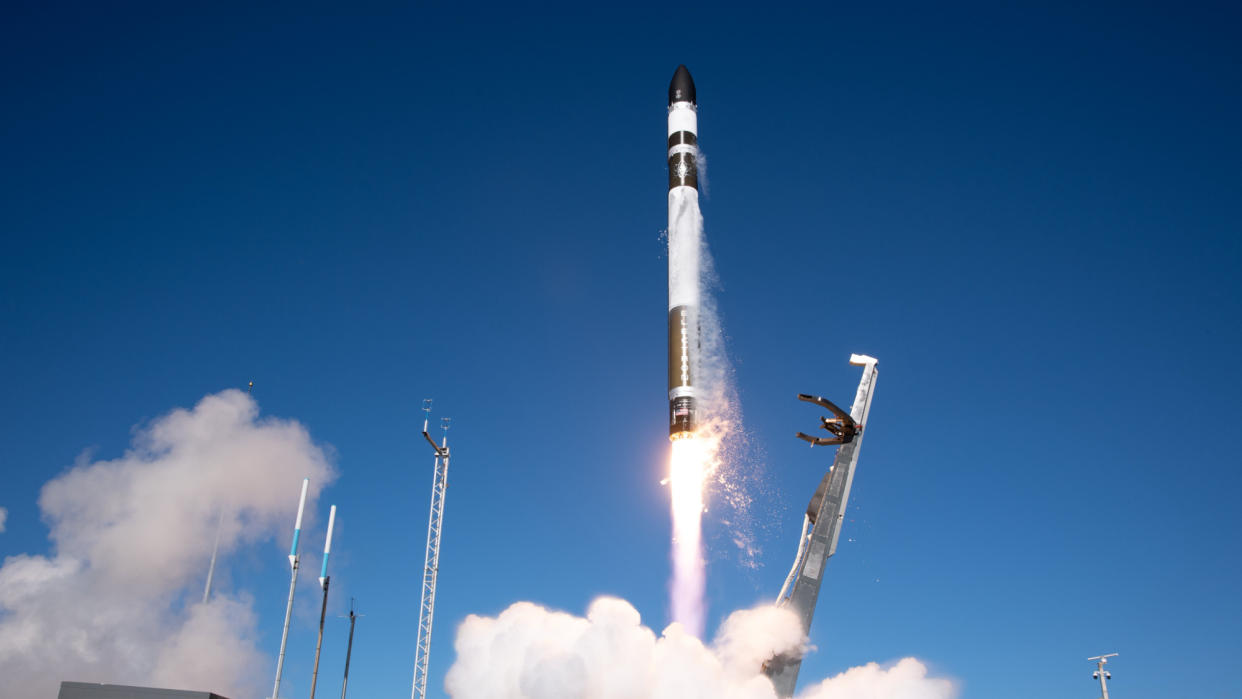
(323, 610)
(349, 648)
(215, 548)
(293, 583)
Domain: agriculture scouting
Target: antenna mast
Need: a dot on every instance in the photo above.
(349, 649)
(215, 548)
(324, 581)
(431, 562)
(1101, 674)
(295, 557)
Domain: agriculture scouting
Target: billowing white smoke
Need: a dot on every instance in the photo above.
(529, 652)
(906, 679)
(117, 600)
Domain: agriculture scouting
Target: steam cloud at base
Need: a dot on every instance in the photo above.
(118, 598)
(529, 652)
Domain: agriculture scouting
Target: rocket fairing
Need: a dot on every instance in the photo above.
(684, 230)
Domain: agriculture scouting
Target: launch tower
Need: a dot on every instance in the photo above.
(431, 560)
(823, 516)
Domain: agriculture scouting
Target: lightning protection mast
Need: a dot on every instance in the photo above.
(431, 562)
(215, 548)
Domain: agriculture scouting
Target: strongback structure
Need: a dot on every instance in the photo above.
(431, 561)
(823, 517)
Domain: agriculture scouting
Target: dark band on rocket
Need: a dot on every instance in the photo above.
(683, 138)
(683, 170)
(683, 337)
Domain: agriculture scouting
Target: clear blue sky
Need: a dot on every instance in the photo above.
(1029, 215)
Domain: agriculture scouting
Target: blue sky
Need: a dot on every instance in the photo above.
(1028, 214)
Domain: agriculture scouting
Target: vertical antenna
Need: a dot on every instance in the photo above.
(215, 548)
(323, 582)
(349, 648)
(293, 581)
(1101, 674)
(431, 562)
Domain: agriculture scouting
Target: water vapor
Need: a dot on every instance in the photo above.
(116, 600)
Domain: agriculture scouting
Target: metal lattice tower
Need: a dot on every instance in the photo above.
(431, 562)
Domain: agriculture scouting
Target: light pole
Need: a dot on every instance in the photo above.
(1101, 674)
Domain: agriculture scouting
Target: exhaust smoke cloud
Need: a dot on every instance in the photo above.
(529, 652)
(116, 600)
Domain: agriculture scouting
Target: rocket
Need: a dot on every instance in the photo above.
(684, 231)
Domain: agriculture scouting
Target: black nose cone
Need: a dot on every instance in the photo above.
(681, 89)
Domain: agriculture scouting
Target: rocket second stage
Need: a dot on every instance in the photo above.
(685, 226)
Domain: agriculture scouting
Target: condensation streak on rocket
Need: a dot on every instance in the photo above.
(684, 232)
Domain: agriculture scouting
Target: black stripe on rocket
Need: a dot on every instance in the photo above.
(683, 166)
(683, 335)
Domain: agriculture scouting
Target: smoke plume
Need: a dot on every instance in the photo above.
(529, 652)
(117, 599)
(907, 679)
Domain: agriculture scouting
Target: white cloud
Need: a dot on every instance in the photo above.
(529, 652)
(116, 599)
(4, 515)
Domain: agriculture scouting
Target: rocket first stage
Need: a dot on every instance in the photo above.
(684, 232)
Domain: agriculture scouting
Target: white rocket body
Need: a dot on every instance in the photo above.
(685, 225)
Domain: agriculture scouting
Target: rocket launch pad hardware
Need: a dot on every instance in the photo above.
(823, 516)
(684, 229)
(431, 558)
(842, 427)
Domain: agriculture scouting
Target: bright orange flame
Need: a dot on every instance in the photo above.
(688, 468)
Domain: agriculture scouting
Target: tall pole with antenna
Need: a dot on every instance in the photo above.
(1101, 674)
(431, 561)
(293, 582)
(215, 548)
(349, 648)
(323, 582)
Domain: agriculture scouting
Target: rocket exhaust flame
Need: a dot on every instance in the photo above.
(688, 466)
